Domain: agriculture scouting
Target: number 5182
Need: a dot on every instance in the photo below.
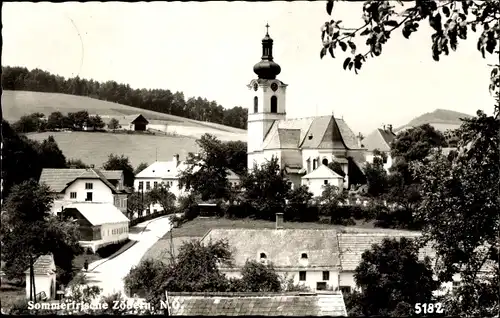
(428, 308)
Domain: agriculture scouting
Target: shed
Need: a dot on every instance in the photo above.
(45, 278)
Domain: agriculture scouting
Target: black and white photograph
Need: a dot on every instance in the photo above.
(246, 158)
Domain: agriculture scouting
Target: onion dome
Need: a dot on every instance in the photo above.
(267, 68)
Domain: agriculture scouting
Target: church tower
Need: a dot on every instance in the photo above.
(268, 103)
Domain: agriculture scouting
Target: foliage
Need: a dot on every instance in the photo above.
(266, 189)
(137, 203)
(78, 119)
(122, 163)
(337, 168)
(257, 277)
(77, 164)
(160, 100)
(140, 167)
(450, 21)
(161, 194)
(460, 207)
(142, 277)
(329, 202)
(297, 208)
(288, 285)
(95, 122)
(114, 124)
(236, 154)
(376, 175)
(187, 205)
(206, 172)
(30, 123)
(391, 277)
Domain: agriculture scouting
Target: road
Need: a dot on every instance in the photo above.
(108, 274)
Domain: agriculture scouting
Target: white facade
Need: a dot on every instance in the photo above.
(43, 283)
(316, 186)
(110, 234)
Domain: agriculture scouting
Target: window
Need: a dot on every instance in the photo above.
(321, 286)
(274, 104)
(308, 165)
(89, 186)
(72, 195)
(148, 185)
(455, 286)
(263, 255)
(315, 162)
(325, 182)
(384, 160)
(255, 104)
(302, 276)
(326, 275)
(345, 289)
(325, 162)
(303, 256)
(141, 185)
(89, 196)
(155, 184)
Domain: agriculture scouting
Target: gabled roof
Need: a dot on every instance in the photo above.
(257, 304)
(322, 172)
(282, 247)
(311, 132)
(44, 265)
(379, 139)
(99, 213)
(171, 170)
(131, 119)
(59, 179)
(112, 174)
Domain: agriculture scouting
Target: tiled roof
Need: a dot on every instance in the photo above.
(44, 265)
(350, 139)
(322, 172)
(99, 213)
(283, 247)
(254, 304)
(59, 179)
(353, 245)
(112, 174)
(291, 158)
(379, 139)
(162, 169)
(322, 133)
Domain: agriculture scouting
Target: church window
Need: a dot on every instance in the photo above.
(255, 104)
(325, 162)
(315, 162)
(308, 165)
(274, 104)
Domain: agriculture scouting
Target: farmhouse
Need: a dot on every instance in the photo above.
(85, 185)
(256, 304)
(44, 272)
(134, 122)
(380, 140)
(100, 224)
(300, 145)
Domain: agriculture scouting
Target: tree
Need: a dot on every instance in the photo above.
(140, 167)
(49, 154)
(376, 175)
(78, 119)
(162, 195)
(28, 123)
(95, 122)
(76, 164)
(206, 173)
(122, 163)
(236, 152)
(114, 124)
(137, 203)
(450, 20)
(265, 189)
(330, 199)
(142, 278)
(56, 120)
(459, 210)
(257, 277)
(392, 279)
(297, 208)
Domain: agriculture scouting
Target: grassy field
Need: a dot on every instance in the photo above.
(197, 228)
(94, 148)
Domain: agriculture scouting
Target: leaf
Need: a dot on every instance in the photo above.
(365, 32)
(329, 7)
(346, 62)
(323, 35)
(330, 49)
(351, 45)
(391, 23)
(473, 27)
(446, 11)
(343, 46)
(322, 53)
(350, 65)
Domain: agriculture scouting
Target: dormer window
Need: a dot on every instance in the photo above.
(263, 256)
(304, 256)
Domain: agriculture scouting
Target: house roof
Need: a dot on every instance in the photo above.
(59, 179)
(291, 158)
(379, 139)
(311, 132)
(353, 245)
(171, 170)
(131, 119)
(322, 172)
(257, 304)
(99, 213)
(112, 174)
(44, 265)
(286, 248)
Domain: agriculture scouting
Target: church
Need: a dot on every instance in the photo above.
(303, 146)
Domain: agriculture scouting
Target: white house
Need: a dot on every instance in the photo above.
(308, 256)
(317, 179)
(380, 140)
(85, 185)
(300, 144)
(44, 270)
(100, 224)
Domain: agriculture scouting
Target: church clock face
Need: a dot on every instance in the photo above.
(274, 87)
(255, 86)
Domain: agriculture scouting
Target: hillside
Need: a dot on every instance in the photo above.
(441, 119)
(18, 103)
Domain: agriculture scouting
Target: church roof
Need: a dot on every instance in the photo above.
(310, 133)
(322, 172)
(379, 139)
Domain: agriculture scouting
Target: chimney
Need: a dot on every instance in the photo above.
(389, 128)
(176, 159)
(279, 221)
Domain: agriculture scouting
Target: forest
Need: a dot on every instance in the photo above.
(158, 100)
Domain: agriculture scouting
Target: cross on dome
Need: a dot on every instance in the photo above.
(267, 28)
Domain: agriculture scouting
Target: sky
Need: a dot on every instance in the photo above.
(208, 49)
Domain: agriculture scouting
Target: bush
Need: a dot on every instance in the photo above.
(142, 278)
(109, 250)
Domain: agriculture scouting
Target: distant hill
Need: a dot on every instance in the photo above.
(440, 119)
(18, 103)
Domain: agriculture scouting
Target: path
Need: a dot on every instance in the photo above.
(108, 274)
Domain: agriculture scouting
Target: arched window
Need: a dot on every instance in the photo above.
(325, 162)
(263, 255)
(315, 162)
(274, 104)
(255, 104)
(303, 256)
